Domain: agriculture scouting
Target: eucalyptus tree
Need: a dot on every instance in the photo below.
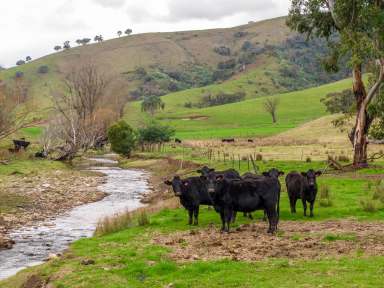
(151, 104)
(360, 28)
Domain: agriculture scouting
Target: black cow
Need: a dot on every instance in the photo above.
(246, 195)
(272, 173)
(228, 140)
(302, 186)
(177, 140)
(193, 193)
(250, 140)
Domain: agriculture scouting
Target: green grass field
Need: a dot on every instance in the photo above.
(242, 119)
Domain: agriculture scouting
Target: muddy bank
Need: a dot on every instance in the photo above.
(35, 198)
(301, 240)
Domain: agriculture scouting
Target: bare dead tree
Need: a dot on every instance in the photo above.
(83, 110)
(270, 106)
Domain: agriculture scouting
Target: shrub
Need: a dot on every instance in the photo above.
(378, 194)
(308, 160)
(246, 46)
(369, 205)
(114, 224)
(122, 138)
(188, 105)
(44, 69)
(142, 218)
(229, 64)
(325, 196)
(223, 50)
(240, 34)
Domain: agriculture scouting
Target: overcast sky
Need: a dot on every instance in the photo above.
(34, 27)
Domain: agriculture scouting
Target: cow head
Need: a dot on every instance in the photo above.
(273, 173)
(177, 185)
(205, 171)
(311, 175)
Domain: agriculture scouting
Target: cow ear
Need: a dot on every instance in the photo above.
(266, 174)
(167, 182)
(304, 174)
(219, 177)
(318, 173)
(281, 173)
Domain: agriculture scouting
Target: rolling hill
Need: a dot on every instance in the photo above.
(241, 119)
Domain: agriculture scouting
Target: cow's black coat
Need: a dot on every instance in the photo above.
(302, 186)
(193, 193)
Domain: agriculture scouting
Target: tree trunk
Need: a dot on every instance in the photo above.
(273, 117)
(359, 133)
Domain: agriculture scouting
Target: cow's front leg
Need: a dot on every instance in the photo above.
(311, 208)
(196, 212)
(304, 206)
(222, 216)
(190, 214)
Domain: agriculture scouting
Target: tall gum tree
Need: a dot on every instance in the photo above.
(360, 27)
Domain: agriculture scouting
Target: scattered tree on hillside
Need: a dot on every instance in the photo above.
(98, 38)
(119, 33)
(28, 58)
(57, 48)
(83, 114)
(128, 31)
(360, 24)
(20, 62)
(270, 105)
(151, 104)
(83, 41)
(67, 45)
(122, 138)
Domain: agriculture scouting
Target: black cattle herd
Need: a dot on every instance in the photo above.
(229, 193)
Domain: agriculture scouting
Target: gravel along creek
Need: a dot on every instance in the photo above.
(34, 244)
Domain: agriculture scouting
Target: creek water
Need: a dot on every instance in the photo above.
(35, 243)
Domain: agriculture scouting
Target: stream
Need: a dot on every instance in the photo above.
(34, 244)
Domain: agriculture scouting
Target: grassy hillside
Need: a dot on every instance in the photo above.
(242, 119)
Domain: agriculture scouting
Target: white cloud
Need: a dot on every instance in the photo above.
(110, 3)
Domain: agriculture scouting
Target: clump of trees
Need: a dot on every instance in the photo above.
(154, 134)
(43, 69)
(151, 104)
(223, 51)
(340, 102)
(270, 106)
(98, 38)
(220, 98)
(360, 26)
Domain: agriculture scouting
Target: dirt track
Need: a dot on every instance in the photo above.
(304, 240)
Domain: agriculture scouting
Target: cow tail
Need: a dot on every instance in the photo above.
(278, 205)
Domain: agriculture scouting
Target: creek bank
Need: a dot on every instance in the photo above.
(30, 199)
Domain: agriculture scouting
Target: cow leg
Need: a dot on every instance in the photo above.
(304, 206)
(250, 215)
(272, 219)
(222, 216)
(233, 217)
(230, 215)
(190, 214)
(292, 202)
(311, 204)
(196, 212)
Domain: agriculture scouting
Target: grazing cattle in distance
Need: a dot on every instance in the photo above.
(193, 193)
(250, 140)
(20, 144)
(228, 140)
(302, 186)
(177, 140)
(246, 195)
